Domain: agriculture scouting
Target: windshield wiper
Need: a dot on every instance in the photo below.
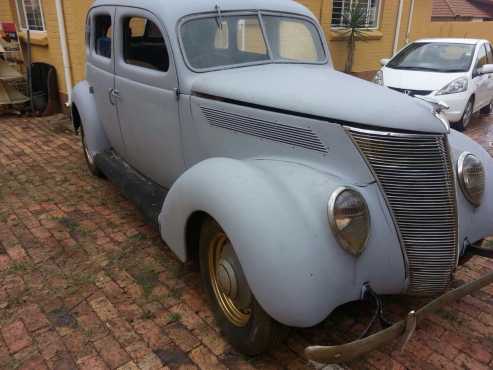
(219, 17)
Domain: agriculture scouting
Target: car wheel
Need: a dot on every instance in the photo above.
(488, 109)
(91, 164)
(466, 116)
(239, 316)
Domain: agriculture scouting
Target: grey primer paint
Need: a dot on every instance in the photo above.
(261, 148)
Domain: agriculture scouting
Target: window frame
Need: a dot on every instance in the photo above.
(259, 14)
(373, 28)
(19, 16)
(477, 65)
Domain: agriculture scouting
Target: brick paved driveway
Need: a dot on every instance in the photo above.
(85, 284)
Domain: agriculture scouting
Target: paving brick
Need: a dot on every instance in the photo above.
(91, 363)
(205, 359)
(111, 352)
(16, 336)
(33, 318)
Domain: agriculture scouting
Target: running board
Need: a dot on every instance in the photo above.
(144, 193)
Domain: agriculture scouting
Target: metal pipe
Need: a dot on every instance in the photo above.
(398, 27)
(410, 21)
(63, 46)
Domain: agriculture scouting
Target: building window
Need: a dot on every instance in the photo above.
(341, 8)
(30, 14)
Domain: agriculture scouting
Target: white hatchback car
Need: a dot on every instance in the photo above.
(457, 72)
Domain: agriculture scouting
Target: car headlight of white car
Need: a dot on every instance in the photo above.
(456, 86)
(471, 178)
(349, 219)
(378, 79)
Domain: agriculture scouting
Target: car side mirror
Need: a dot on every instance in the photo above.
(487, 68)
(384, 61)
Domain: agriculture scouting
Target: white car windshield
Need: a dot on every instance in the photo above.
(435, 57)
(223, 41)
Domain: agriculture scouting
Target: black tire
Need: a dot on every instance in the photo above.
(488, 109)
(466, 116)
(91, 165)
(261, 332)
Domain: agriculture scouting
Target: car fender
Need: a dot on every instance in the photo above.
(275, 214)
(84, 104)
(474, 222)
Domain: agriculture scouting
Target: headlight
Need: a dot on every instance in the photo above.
(349, 219)
(456, 86)
(378, 79)
(471, 178)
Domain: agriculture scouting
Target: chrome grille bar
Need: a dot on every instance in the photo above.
(416, 176)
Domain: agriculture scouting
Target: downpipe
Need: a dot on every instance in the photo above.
(63, 47)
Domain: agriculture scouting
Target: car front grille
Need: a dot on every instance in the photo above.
(416, 176)
(413, 92)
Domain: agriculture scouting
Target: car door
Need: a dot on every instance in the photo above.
(489, 53)
(146, 84)
(100, 72)
(480, 81)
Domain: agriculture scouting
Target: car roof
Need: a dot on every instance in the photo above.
(452, 40)
(171, 11)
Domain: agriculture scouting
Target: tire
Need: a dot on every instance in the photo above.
(251, 331)
(91, 165)
(487, 109)
(466, 116)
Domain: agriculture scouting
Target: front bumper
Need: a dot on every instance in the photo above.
(401, 331)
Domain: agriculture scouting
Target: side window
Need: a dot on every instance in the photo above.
(144, 44)
(482, 57)
(103, 35)
(489, 51)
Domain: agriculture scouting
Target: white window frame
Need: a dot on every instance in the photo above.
(377, 25)
(19, 16)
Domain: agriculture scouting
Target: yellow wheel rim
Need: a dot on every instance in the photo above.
(235, 315)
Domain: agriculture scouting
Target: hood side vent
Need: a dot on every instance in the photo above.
(286, 134)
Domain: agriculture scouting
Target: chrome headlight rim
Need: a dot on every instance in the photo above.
(460, 173)
(333, 225)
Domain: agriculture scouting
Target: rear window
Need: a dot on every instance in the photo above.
(103, 35)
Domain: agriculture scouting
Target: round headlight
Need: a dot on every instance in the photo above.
(471, 178)
(349, 219)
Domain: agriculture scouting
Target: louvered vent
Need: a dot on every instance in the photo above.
(290, 135)
(416, 175)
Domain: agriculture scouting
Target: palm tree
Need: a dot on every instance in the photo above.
(355, 20)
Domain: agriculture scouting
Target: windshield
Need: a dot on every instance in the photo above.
(436, 57)
(220, 41)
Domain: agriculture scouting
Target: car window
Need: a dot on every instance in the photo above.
(435, 57)
(225, 41)
(88, 32)
(235, 40)
(489, 52)
(293, 39)
(482, 57)
(144, 44)
(103, 35)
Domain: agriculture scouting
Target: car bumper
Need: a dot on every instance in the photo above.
(456, 102)
(400, 332)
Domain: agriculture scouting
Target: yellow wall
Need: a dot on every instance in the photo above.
(368, 53)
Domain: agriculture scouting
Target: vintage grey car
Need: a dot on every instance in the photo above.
(295, 187)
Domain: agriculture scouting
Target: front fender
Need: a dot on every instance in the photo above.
(275, 214)
(84, 104)
(474, 223)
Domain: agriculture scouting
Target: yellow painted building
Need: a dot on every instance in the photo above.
(411, 18)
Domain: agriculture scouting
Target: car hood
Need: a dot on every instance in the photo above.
(320, 92)
(418, 80)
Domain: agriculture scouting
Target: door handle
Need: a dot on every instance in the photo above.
(113, 96)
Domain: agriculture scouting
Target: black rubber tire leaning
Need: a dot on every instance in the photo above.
(488, 109)
(90, 163)
(261, 333)
(466, 116)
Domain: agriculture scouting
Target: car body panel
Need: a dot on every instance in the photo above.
(275, 214)
(306, 90)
